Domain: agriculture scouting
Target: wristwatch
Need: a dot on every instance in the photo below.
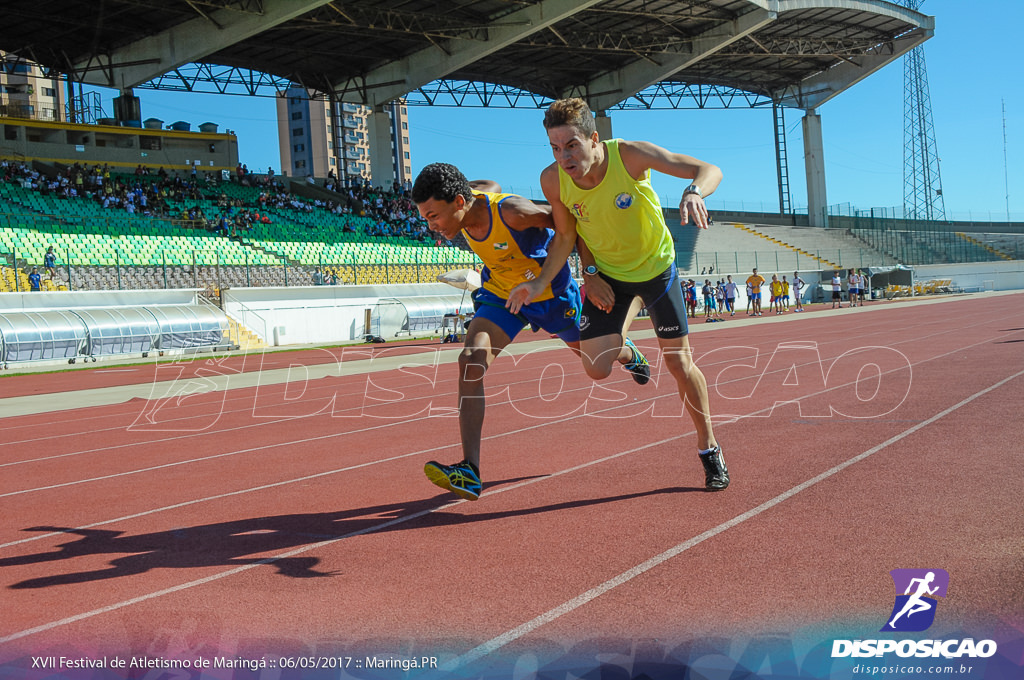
(590, 271)
(693, 189)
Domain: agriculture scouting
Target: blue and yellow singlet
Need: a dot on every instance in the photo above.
(512, 257)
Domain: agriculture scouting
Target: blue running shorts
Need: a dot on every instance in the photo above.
(559, 316)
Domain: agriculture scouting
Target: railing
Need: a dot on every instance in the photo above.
(251, 320)
(975, 217)
(778, 260)
(938, 247)
(123, 222)
(167, 269)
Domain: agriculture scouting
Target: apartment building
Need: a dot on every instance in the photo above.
(315, 140)
(26, 93)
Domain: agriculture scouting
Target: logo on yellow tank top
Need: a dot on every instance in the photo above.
(579, 211)
(624, 200)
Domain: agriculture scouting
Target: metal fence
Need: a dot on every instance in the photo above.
(209, 270)
(780, 260)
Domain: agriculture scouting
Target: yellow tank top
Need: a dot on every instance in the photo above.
(512, 257)
(621, 221)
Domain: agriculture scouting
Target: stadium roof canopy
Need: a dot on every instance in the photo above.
(614, 53)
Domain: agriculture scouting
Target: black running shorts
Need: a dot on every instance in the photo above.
(662, 296)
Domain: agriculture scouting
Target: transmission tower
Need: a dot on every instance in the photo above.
(922, 184)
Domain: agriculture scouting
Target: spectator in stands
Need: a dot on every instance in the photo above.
(50, 262)
(318, 277)
(34, 279)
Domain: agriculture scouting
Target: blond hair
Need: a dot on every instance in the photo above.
(574, 112)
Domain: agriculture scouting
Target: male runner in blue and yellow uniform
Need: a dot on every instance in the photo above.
(602, 192)
(510, 234)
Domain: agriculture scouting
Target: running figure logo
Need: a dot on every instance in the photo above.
(915, 608)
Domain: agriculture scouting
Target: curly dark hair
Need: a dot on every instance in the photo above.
(442, 182)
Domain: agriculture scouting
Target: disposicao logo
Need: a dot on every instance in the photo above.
(914, 611)
(915, 608)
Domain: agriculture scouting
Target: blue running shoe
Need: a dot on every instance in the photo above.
(462, 479)
(638, 367)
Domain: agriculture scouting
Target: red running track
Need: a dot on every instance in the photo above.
(293, 518)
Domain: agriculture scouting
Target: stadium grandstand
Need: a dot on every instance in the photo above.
(159, 230)
(241, 241)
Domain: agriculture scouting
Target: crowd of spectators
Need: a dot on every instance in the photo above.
(19, 172)
(391, 211)
(186, 199)
(199, 200)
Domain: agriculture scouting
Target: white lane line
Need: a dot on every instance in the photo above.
(497, 371)
(437, 448)
(215, 577)
(528, 627)
(333, 413)
(498, 389)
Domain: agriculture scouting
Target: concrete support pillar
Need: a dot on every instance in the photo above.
(604, 125)
(382, 166)
(814, 165)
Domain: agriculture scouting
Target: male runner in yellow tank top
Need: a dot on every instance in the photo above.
(511, 235)
(601, 191)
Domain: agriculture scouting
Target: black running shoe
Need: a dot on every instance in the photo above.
(638, 367)
(716, 476)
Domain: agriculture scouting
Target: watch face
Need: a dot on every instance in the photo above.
(591, 270)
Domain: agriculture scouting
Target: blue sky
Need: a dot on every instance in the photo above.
(971, 70)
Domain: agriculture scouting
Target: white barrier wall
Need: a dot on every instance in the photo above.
(324, 314)
(976, 276)
(44, 300)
